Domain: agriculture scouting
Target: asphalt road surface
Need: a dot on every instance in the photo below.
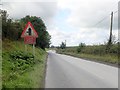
(69, 72)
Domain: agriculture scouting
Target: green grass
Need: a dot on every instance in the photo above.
(105, 58)
(19, 68)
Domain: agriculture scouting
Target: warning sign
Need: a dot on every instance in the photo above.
(29, 31)
(29, 34)
(29, 40)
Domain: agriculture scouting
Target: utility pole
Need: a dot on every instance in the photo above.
(111, 24)
(110, 38)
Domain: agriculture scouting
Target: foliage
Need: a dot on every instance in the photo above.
(63, 45)
(12, 29)
(20, 69)
(93, 52)
(52, 46)
(98, 49)
(80, 47)
(110, 42)
(22, 61)
(16, 55)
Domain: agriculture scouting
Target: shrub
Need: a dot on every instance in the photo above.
(80, 47)
(21, 55)
(21, 60)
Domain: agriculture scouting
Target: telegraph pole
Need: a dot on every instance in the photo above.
(111, 25)
(110, 38)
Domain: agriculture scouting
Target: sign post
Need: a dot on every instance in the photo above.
(34, 49)
(29, 34)
(25, 48)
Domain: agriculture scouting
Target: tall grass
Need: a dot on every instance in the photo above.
(21, 69)
(95, 52)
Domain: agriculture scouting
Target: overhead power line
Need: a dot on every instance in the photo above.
(104, 18)
(100, 21)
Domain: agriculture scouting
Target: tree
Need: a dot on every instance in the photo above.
(52, 46)
(63, 45)
(110, 44)
(80, 47)
(13, 29)
(10, 29)
(4, 15)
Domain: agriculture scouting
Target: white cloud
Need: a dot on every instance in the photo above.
(45, 10)
(88, 36)
(87, 13)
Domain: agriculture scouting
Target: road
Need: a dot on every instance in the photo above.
(69, 72)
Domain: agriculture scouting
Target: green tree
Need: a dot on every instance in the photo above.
(13, 29)
(63, 45)
(80, 47)
(10, 29)
(3, 15)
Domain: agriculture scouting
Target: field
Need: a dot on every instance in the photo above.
(21, 69)
(94, 53)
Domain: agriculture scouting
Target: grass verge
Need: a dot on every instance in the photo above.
(106, 59)
(21, 69)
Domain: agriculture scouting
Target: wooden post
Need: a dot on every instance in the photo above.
(25, 47)
(110, 39)
(34, 50)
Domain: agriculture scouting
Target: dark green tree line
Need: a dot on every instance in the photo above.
(12, 29)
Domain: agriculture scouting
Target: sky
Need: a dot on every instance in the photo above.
(76, 21)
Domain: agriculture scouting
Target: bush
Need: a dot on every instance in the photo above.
(80, 48)
(63, 45)
(21, 60)
(21, 55)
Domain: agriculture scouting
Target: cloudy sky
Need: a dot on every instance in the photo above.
(75, 21)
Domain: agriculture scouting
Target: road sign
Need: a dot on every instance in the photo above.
(29, 34)
(29, 31)
(29, 40)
